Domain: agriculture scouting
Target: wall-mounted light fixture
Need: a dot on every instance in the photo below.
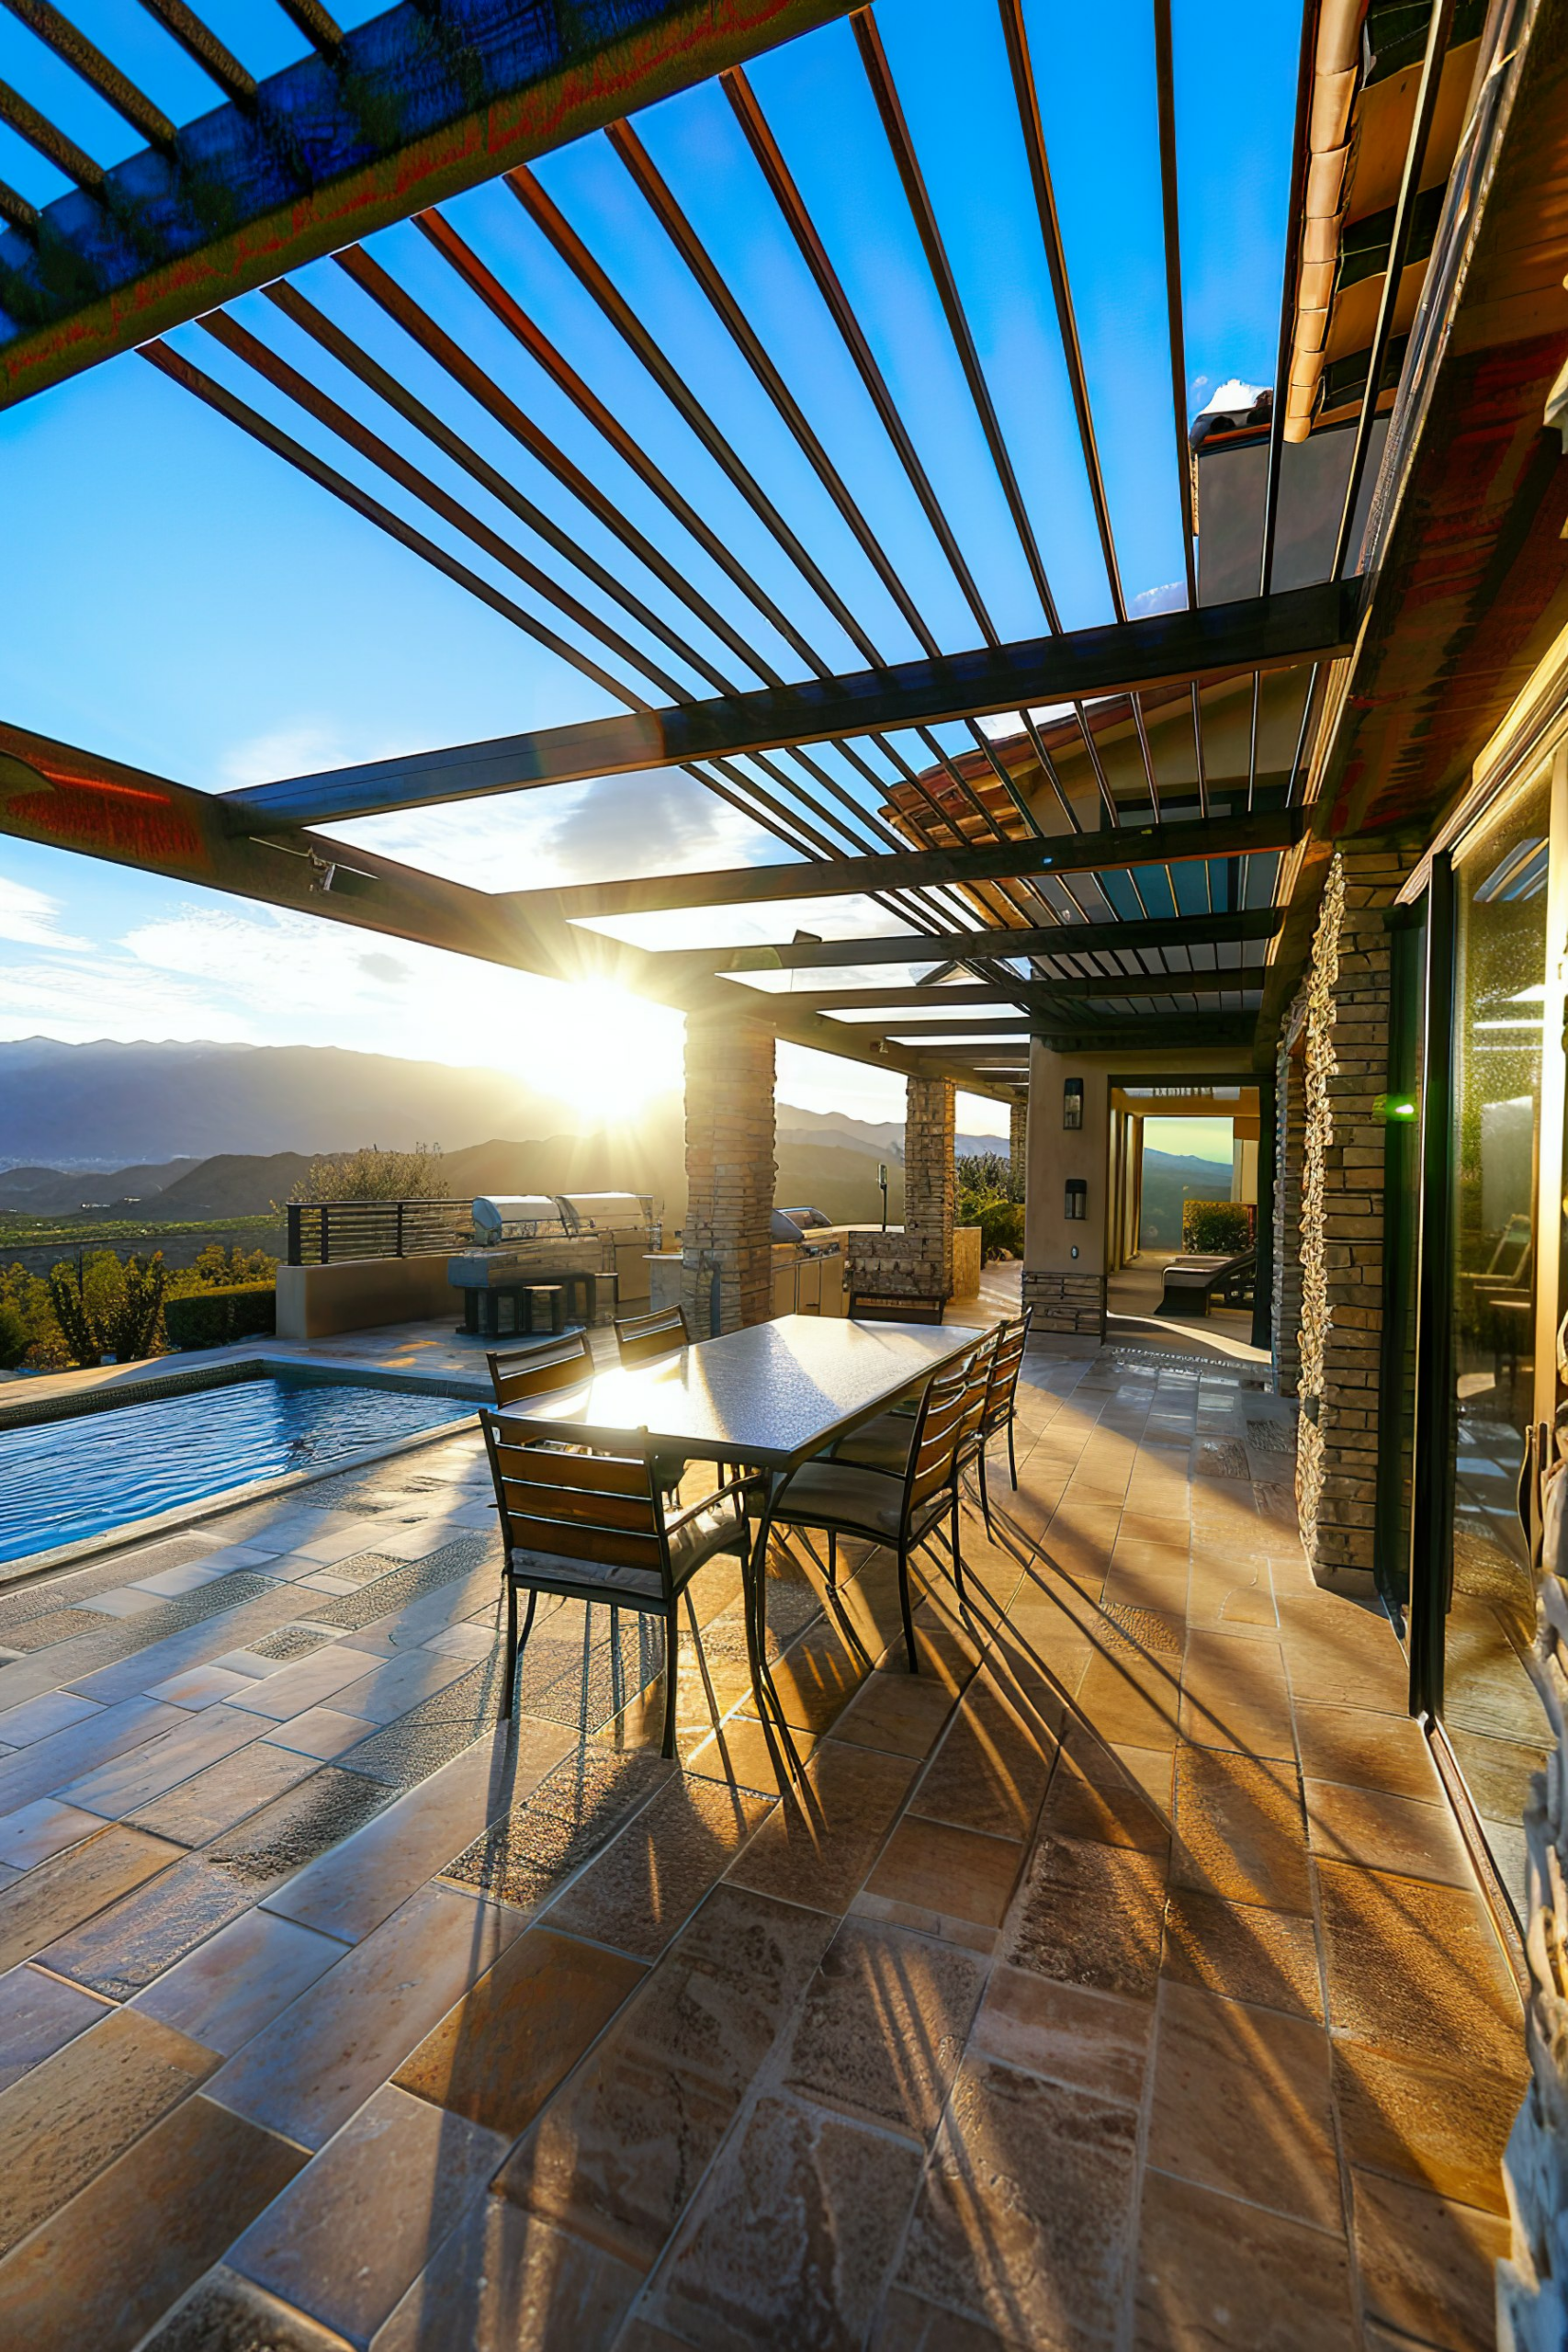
(1077, 1199)
(1072, 1105)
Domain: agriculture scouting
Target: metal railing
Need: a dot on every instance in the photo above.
(322, 1233)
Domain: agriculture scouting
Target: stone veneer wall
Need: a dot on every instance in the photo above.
(729, 1171)
(1532, 2285)
(1341, 1213)
(916, 1263)
(1068, 1303)
(1290, 1116)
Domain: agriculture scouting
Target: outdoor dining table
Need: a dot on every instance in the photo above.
(767, 1398)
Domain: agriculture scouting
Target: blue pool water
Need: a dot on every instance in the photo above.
(61, 1482)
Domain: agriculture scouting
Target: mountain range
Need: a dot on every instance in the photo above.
(199, 1131)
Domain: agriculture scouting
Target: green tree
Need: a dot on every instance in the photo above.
(26, 1296)
(15, 1338)
(218, 1267)
(372, 1174)
(987, 1197)
(114, 1308)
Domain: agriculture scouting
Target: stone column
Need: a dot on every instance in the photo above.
(916, 1263)
(1018, 1145)
(930, 1182)
(1345, 1069)
(729, 1171)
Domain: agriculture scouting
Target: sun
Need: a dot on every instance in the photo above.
(603, 1050)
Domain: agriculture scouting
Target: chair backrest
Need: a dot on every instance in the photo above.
(864, 1309)
(977, 1388)
(520, 1372)
(603, 1508)
(641, 1337)
(1006, 1364)
(937, 1428)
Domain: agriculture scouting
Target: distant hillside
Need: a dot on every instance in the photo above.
(103, 1105)
(49, 1192)
(96, 1123)
(1169, 1178)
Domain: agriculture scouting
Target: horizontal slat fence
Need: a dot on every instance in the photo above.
(320, 1233)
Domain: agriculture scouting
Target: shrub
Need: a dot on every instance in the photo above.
(372, 1174)
(15, 1338)
(211, 1317)
(988, 1175)
(1217, 1229)
(110, 1308)
(221, 1267)
(26, 1296)
(1001, 1228)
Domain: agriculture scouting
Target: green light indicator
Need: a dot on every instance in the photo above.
(1397, 1106)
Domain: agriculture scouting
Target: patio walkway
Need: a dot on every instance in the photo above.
(1121, 1981)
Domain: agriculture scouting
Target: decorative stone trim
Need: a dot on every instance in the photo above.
(1017, 1147)
(1068, 1303)
(730, 1172)
(1290, 1113)
(1340, 1257)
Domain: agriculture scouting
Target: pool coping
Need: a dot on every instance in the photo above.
(224, 1371)
(329, 1373)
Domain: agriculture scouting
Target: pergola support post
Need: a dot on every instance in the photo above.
(918, 1262)
(727, 1245)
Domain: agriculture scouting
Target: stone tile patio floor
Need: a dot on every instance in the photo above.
(1121, 1981)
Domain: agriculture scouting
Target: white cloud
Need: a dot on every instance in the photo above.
(657, 823)
(301, 749)
(29, 917)
(111, 997)
(1171, 598)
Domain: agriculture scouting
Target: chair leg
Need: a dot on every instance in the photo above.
(1012, 1458)
(909, 1613)
(957, 1554)
(510, 1672)
(984, 1493)
(832, 1557)
(671, 1653)
(517, 1643)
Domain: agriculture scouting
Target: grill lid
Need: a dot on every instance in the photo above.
(605, 1212)
(516, 1217)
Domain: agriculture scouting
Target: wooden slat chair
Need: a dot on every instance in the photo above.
(1001, 1404)
(902, 1513)
(865, 1308)
(518, 1374)
(594, 1527)
(641, 1338)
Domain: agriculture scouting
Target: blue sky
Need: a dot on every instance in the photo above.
(178, 598)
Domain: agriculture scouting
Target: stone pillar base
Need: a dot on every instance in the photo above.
(729, 1173)
(1065, 1303)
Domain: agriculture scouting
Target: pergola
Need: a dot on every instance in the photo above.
(1067, 849)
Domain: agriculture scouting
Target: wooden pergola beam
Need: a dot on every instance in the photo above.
(1117, 850)
(1299, 625)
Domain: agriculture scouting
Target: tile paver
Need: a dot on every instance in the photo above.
(1101, 1987)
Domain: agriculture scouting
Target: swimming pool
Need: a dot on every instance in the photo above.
(62, 1481)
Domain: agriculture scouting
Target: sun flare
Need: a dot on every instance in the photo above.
(604, 1051)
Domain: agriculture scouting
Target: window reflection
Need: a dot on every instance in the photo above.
(1492, 1718)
